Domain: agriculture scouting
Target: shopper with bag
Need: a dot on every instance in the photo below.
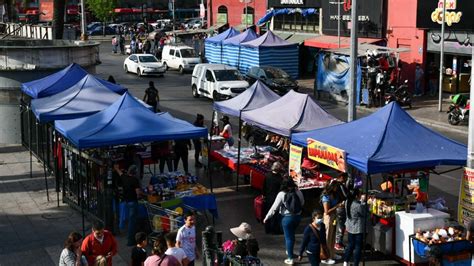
(314, 240)
(226, 132)
(356, 215)
(289, 203)
(331, 202)
(271, 188)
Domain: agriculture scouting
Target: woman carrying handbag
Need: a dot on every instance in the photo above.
(314, 240)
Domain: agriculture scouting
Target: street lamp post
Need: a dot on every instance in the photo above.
(351, 112)
(83, 21)
(441, 60)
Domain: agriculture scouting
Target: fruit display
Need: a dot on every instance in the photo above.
(385, 208)
(439, 235)
(173, 185)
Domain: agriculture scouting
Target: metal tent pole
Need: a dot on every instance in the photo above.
(209, 149)
(44, 167)
(30, 140)
(81, 196)
(470, 141)
(238, 150)
(365, 218)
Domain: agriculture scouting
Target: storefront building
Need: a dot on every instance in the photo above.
(459, 33)
(235, 13)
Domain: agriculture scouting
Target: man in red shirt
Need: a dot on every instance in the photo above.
(99, 243)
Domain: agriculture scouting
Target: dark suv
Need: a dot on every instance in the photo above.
(275, 78)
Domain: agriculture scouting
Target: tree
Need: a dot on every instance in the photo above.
(102, 9)
(58, 18)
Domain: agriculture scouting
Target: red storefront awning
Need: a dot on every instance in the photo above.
(72, 10)
(331, 42)
(32, 12)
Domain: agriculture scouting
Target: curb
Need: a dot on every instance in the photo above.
(423, 121)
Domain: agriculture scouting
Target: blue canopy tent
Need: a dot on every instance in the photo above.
(270, 50)
(213, 45)
(86, 97)
(61, 81)
(388, 140)
(294, 112)
(106, 128)
(231, 47)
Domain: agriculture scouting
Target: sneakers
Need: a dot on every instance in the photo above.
(328, 261)
(337, 257)
(289, 261)
(339, 247)
(346, 263)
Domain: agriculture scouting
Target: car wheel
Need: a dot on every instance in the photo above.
(166, 66)
(215, 96)
(139, 73)
(181, 70)
(195, 91)
(125, 68)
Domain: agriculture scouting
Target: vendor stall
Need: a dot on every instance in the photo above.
(97, 139)
(213, 46)
(389, 141)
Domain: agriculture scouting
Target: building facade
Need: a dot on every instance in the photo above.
(237, 14)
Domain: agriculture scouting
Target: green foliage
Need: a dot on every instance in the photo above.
(102, 9)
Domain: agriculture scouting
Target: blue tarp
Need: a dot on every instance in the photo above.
(333, 75)
(86, 97)
(213, 46)
(231, 47)
(60, 81)
(294, 112)
(284, 11)
(388, 140)
(256, 96)
(126, 121)
(270, 50)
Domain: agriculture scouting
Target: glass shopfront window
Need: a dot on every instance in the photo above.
(296, 22)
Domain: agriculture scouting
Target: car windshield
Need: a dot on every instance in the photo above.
(227, 75)
(147, 59)
(275, 73)
(187, 53)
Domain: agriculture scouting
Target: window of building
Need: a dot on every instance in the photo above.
(297, 22)
(250, 15)
(222, 15)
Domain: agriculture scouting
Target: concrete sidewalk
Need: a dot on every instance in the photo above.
(424, 109)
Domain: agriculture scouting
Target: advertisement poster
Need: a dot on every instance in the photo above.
(466, 197)
(46, 10)
(294, 164)
(327, 155)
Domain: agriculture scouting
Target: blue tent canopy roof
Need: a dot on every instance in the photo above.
(231, 32)
(126, 121)
(256, 96)
(294, 112)
(388, 140)
(86, 97)
(245, 36)
(268, 40)
(61, 81)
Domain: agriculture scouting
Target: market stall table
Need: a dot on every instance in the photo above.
(407, 224)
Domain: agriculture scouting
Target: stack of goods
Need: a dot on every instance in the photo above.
(439, 235)
(245, 153)
(385, 205)
(173, 185)
(265, 164)
(313, 181)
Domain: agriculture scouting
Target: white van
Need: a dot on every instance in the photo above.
(217, 81)
(178, 56)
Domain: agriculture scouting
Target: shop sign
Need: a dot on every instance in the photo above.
(430, 14)
(371, 18)
(294, 165)
(295, 3)
(327, 155)
(466, 197)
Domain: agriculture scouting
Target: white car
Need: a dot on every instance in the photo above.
(217, 81)
(143, 64)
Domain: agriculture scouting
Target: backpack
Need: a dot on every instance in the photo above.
(292, 202)
(152, 96)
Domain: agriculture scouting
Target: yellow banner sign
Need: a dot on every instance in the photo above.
(294, 165)
(466, 197)
(326, 154)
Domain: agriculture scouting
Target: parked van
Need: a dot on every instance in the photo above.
(181, 57)
(217, 81)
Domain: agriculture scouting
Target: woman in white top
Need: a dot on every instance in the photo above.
(71, 254)
(289, 203)
(227, 131)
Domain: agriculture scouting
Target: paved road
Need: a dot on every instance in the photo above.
(33, 229)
